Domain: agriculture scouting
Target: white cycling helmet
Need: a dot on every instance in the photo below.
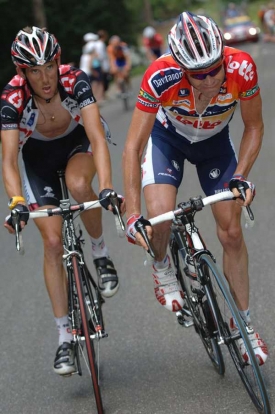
(195, 41)
(149, 32)
(34, 46)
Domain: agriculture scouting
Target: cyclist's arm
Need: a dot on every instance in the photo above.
(95, 133)
(137, 138)
(251, 111)
(10, 168)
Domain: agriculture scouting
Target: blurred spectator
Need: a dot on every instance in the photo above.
(269, 22)
(153, 43)
(101, 51)
(91, 64)
(231, 11)
(88, 49)
(261, 12)
(120, 61)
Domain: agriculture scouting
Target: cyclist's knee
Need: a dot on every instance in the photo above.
(80, 189)
(53, 246)
(231, 238)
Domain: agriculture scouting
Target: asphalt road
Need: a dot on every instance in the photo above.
(149, 364)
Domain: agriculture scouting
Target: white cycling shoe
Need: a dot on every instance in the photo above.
(258, 345)
(167, 289)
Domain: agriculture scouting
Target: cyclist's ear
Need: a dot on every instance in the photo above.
(21, 72)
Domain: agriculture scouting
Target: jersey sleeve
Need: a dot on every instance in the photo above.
(242, 67)
(12, 103)
(77, 84)
(147, 100)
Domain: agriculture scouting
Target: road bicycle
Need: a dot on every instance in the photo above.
(209, 305)
(84, 298)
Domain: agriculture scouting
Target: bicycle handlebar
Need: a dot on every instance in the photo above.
(61, 211)
(196, 204)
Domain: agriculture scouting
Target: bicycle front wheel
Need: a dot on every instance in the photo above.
(87, 331)
(226, 309)
(199, 309)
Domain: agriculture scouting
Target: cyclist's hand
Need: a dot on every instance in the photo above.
(132, 234)
(248, 186)
(105, 201)
(21, 208)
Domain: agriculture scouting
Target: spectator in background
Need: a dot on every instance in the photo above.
(269, 22)
(101, 51)
(90, 63)
(261, 12)
(153, 43)
(85, 63)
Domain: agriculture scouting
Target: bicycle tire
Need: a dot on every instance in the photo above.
(225, 308)
(198, 311)
(86, 331)
(124, 95)
(95, 301)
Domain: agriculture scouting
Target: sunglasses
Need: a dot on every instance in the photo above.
(202, 76)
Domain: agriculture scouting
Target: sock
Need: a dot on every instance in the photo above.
(64, 329)
(245, 316)
(163, 264)
(99, 248)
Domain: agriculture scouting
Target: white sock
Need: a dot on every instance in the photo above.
(64, 329)
(163, 264)
(245, 315)
(99, 248)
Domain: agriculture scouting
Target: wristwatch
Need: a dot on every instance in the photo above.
(15, 200)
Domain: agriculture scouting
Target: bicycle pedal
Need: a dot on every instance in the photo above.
(182, 321)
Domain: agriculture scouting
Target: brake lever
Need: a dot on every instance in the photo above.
(140, 228)
(15, 216)
(115, 205)
(241, 189)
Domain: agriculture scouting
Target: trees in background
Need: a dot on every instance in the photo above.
(69, 20)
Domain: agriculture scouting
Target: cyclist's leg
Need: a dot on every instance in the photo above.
(80, 172)
(160, 192)
(42, 188)
(215, 174)
(56, 284)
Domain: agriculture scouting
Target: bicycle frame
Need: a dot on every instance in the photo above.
(213, 290)
(84, 305)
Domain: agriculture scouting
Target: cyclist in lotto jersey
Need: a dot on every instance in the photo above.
(49, 112)
(186, 101)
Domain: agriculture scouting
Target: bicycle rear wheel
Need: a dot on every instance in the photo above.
(87, 331)
(199, 309)
(225, 309)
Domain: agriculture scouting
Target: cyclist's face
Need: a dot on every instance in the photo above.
(210, 86)
(43, 79)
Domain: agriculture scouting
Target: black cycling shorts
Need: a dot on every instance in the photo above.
(41, 161)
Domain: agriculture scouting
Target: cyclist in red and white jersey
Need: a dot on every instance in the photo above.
(186, 101)
(48, 110)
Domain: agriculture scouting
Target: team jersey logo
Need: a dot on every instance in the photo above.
(245, 69)
(184, 92)
(214, 173)
(164, 79)
(16, 98)
(146, 95)
(251, 92)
